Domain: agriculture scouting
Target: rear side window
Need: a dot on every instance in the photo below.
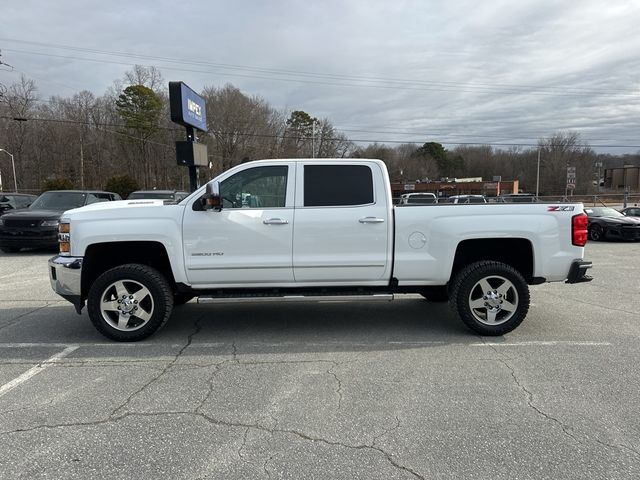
(337, 185)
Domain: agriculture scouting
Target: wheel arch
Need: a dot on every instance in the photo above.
(100, 257)
(515, 252)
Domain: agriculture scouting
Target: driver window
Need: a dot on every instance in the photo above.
(259, 187)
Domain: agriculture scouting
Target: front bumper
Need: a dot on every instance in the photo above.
(578, 272)
(29, 238)
(65, 275)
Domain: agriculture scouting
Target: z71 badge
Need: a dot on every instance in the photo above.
(560, 208)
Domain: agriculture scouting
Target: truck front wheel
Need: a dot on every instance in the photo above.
(491, 298)
(130, 302)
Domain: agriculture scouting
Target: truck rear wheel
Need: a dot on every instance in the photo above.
(491, 298)
(130, 302)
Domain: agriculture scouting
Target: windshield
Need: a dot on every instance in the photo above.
(603, 212)
(59, 201)
(151, 196)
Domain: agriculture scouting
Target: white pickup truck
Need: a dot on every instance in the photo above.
(319, 230)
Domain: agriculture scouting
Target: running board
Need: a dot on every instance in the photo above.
(376, 297)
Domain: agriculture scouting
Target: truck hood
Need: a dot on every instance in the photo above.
(117, 205)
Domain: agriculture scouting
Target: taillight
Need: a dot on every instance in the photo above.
(579, 230)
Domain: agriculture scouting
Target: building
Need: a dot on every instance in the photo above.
(621, 177)
(457, 186)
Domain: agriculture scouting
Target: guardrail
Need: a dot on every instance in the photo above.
(603, 199)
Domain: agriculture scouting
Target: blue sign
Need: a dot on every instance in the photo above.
(187, 107)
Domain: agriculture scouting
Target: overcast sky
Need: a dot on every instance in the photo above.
(454, 71)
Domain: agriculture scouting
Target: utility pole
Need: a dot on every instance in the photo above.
(13, 165)
(81, 165)
(538, 175)
(313, 138)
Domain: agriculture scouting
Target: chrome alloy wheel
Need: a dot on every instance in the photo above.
(126, 305)
(493, 300)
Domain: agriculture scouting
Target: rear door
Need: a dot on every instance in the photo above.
(342, 224)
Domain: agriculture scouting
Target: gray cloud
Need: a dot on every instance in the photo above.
(458, 70)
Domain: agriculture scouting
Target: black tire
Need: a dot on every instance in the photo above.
(10, 249)
(480, 292)
(181, 298)
(596, 232)
(143, 309)
(436, 294)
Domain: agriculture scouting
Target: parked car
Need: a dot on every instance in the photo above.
(37, 226)
(631, 212)
(418, 199)
(14, 201)
(172, 195)
(467, 199)
(518, 198)
(606, 222)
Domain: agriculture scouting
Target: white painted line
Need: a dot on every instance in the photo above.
(310, 344)
(7, 387)
(540, 343)
(78, 345)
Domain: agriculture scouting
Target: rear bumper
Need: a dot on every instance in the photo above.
(65, 275)
(578, 272)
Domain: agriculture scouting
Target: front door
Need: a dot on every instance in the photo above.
(249, 242)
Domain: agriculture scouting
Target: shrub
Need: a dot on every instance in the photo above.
(57, 183)
(122, 185)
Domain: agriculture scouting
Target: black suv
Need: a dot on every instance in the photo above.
(37, 226)
(13, 201)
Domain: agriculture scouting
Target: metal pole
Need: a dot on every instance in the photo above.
(313, 139)
(13, 165)
(15, 179)
(81, 166)
(538, 175)
(193, 170)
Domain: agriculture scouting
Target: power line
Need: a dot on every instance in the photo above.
(304, 137)
(364, 82)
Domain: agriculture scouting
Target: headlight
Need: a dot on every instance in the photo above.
(64, 238)
(50, 223)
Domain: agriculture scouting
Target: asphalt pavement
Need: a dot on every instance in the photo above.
(325, 391)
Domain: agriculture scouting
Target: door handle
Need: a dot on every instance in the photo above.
(275, 221)
(371, 220)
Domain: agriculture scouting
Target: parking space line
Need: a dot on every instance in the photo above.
(35, 370)
(415, 343)
(540, 343)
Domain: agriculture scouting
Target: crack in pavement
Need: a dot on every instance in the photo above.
(197, 328)
(529, 394)
(15, 320)
(565, 428)
(225, 423)
(338, 381)
(264, 466)
(387, 431)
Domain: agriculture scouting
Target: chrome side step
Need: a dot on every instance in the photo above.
(376, 297)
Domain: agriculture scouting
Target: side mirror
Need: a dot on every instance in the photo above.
(213, 201)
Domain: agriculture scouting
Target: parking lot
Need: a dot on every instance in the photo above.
(334, 390)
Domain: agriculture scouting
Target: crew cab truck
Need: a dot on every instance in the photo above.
(319, 230)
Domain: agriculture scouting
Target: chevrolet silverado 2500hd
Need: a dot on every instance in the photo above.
(292, 230)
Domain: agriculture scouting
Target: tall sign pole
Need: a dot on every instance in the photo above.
(571, 179)
(189, 109)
